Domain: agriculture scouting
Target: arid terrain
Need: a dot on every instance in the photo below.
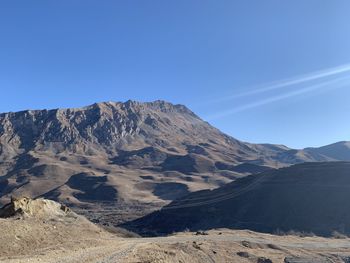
(308, 197)
(190, 131)
(156, 169)
(28, 240)
(44, 231)
(115, 162)
(217, 246)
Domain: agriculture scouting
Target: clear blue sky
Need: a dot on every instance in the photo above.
(261, 71)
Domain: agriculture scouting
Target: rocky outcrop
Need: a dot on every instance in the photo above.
(38, 208)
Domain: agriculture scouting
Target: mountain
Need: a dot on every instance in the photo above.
(339, 151)
(309, 197)
(110, 152)
(126, 159)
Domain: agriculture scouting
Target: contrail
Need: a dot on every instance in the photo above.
(290, 82)
(278, 98)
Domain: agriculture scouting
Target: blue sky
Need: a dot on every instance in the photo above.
(261, 71)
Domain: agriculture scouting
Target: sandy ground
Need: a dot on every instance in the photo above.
(217, 246)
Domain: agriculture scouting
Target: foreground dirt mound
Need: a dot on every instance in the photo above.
(39, 208)
(32, 226)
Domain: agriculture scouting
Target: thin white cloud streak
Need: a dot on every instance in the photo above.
(290, 82)
(279, 97)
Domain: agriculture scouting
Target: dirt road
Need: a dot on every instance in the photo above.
(217, 246)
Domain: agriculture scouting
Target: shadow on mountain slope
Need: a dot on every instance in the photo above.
(310, 197)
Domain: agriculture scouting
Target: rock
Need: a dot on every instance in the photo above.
(243, 254)
(201, 233)
(264, 260)
(305, 260)
(38, 208)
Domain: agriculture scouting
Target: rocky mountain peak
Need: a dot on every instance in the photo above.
(96, 126)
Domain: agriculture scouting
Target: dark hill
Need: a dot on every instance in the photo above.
(310, 197)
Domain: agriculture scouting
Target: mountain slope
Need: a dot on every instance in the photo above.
(124, 154)
(309, 197)
(339, 151)
(133, 157)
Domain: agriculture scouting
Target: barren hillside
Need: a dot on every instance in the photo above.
(125, 158)
(309, 198)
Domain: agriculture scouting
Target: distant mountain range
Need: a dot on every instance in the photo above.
(130, 155)
(304, 198)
